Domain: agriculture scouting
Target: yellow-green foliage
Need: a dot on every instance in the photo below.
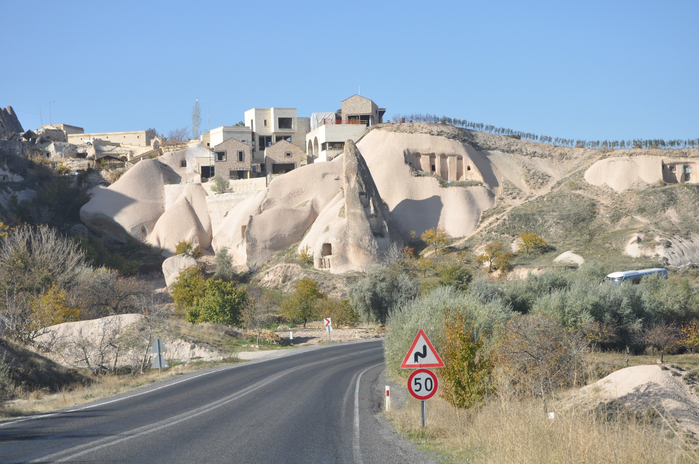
(303, 302)
(340, 311)
(466, 375)
(689, 336)
(435, 237)
(306, 255)
(3, 230)
(186, 248)
(531, 242)
(53, 307)
(497, 257)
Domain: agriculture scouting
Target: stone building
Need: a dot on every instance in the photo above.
(362, 110)
(330, 131)
(283, 157)
(271, 125)
(233, 160)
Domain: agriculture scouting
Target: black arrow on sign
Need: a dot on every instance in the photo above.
(421, 355)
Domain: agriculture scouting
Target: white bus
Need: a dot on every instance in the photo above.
(635, 276)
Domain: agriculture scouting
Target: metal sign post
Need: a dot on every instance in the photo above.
(329, 328)
(422, 383)
(159, 361)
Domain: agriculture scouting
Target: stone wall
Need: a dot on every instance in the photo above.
(231, 150)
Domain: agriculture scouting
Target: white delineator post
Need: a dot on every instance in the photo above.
(388, 398)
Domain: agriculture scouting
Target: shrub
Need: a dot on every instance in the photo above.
(689, 336)
(189, 288)
(221, 304)
(306, 255)
(220, 185)
(455, 275)
(436, 238)
(340, 311)
(224, 266)
(186, 248)
(33, 260)
(380, 292)
(303, 302)
(6, 384)
(427, 313)
(539, 356)
(467, 366)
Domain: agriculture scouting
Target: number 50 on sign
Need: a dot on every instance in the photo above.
(422, 384)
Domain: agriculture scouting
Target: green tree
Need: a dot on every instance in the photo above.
(304, 301)
(436, 238)
(532, 242)
(467, 366)
(221, 304)
(497, 257)
(224, 265)
(340, 311)
(189, 287)
(455, 275)
(380, 292)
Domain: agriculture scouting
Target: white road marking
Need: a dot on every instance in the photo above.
(356, 449)
(80, 450)
(150, 390)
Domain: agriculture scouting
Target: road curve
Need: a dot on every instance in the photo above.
(310, 406)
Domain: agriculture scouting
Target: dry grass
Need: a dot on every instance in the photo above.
(508, 431)
(41, 401)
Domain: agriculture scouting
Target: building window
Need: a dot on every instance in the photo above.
(220, 156)
(287, 154)
(183, 163)
(265, 123)
(285, 123)
(283, 137)
(265, 141)
(241, 156)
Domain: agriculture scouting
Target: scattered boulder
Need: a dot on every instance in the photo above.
(570, 257)
(173, 266)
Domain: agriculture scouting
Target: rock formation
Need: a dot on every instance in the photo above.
(355, 230)
(132, 205)
(9, 123)
(277, 217)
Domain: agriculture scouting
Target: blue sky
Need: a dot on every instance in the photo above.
(590, 70)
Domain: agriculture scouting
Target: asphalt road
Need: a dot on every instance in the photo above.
(313, 406)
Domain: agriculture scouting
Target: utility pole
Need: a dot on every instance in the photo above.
(208, 129)
(50, 118)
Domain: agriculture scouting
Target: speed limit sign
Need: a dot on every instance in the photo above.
(422, 384)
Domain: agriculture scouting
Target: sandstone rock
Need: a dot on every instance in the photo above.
(186, 220)
(131, 206)
(173, 266)
(419, 203)
(278, 216)
(571, 257)
(355, 230)
(623, 173)
(9, 123)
